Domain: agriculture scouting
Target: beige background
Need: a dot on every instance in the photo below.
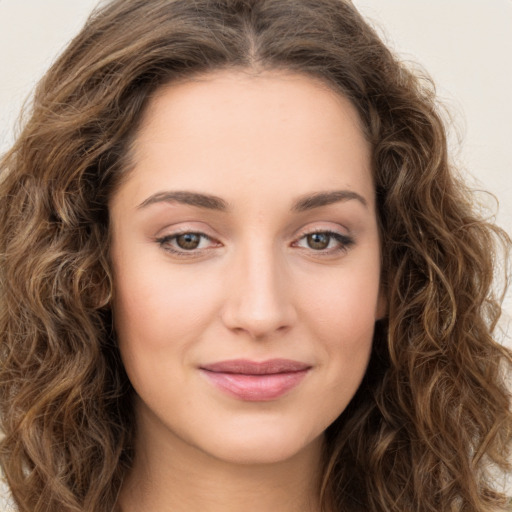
(466, 45)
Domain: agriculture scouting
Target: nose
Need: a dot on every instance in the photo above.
(259, 296)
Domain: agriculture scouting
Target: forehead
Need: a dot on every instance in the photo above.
(245, 88)
(235, 129)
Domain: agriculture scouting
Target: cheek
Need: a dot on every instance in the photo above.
(341, 314)
(159, 318)
(347, 337)
(155, 306)
(344, 302)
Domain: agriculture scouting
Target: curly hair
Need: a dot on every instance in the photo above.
(433, 412)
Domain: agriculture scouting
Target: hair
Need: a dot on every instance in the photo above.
(433, 412)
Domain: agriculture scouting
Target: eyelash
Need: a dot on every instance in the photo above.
(165, 243)
(344, 241)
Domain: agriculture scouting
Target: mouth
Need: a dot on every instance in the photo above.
(256, 381)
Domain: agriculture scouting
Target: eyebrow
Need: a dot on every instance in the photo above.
(211, 202)
(189, 198)
(319, 199)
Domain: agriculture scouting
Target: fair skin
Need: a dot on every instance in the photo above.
(246, 260)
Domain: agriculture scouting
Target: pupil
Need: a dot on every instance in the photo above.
(188, 241)
(318, 241)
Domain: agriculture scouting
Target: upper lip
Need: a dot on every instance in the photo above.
(247, 367)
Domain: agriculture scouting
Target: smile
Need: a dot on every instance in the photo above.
(256, 381)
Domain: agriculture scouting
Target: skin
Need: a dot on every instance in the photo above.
(256, 287)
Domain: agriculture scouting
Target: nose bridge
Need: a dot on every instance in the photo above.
(257, 301)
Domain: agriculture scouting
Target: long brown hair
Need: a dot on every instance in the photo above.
(433, 412)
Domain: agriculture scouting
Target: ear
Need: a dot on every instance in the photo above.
(381, 310)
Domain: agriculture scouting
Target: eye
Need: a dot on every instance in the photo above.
(187, 243)
(325, 241)
(318, 241)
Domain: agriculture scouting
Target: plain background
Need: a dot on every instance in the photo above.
(465, 45)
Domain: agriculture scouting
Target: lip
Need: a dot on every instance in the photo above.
(256, 381)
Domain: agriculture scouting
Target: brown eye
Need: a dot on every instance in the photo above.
(318, 241)
(325, 242)
(187, 244)
(188, 241)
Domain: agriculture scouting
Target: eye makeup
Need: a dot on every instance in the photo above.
(186, 244)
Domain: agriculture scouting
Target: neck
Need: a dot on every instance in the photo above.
(170, 475)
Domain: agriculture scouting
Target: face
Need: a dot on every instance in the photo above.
(246, 261)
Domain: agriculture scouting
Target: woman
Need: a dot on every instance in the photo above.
(238, 273)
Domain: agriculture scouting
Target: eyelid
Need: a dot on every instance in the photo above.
(164, 243)
(324, 227)
(345, 240)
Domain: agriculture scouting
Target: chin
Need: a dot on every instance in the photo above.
(262, 447)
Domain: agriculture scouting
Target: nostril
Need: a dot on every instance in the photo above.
(258, 322)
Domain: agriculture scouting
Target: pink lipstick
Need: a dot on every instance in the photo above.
(256, 381)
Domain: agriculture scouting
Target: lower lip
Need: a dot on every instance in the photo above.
(256, 388)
